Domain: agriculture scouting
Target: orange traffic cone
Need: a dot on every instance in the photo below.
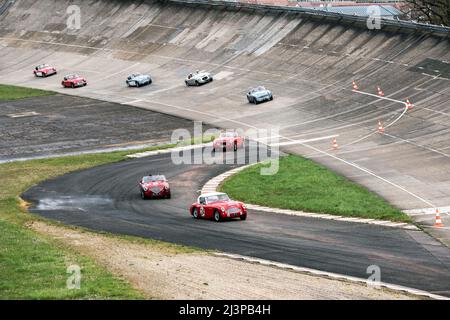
(380, 92)
(355, 86)
(335, 145)
(438, 222)
(380, 127)
(409, 105)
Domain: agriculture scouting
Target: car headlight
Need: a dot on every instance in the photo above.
(145, 189)
(244, 207)
(223, 209)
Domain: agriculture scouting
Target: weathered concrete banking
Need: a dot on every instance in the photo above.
(308, 62)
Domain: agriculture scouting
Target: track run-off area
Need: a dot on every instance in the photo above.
(309, 63)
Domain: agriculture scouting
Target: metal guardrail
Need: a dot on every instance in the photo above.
(319, 13)
(5, 6)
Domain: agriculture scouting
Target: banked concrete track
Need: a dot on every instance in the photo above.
(307, 62)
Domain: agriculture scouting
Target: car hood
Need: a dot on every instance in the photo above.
(75, 79)
(143, 77)
(261, 93)
(44, 69)
(227, 204)
(160, 184)
(226, 139)
(201, 75)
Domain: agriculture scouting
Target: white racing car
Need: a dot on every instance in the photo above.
(197, 78)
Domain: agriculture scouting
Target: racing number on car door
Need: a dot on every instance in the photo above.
(202, 211)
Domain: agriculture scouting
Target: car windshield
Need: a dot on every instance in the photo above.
(217, 197)
(71, 76)
(260, 88)
(41, 66)
(148, 179)
(134, 75)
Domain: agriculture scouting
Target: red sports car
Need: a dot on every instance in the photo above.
(44, 70)
(73, 80)
(227, 141)
(217, 206)
(154, 186)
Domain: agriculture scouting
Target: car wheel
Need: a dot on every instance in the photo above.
(143, 197)
(211, 80)
(195, 213)
(72, 85)
(244, 217)
(168, 196)
(235, 147)
(197, 83)
(271, 98)
(44, 75)
(255, 101)
(138, 84)
(187, 83)
(217, 217)
(214, 150)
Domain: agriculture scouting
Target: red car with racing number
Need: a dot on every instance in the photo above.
(73, 80)
(154, 186)
(217, 206)
(228, 141)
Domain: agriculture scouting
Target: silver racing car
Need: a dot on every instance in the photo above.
(137, 80)
(259, 94)
(197, 78)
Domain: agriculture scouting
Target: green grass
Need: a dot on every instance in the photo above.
(301, 184)
(32, 265)
(14, 93)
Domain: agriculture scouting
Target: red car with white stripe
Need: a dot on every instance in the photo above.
(44, 70)
(73, 81)
(154, 186)
(217, 206)
(228, 141)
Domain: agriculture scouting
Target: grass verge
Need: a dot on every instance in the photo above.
(301, 184)
(32, 265)
(8, 92)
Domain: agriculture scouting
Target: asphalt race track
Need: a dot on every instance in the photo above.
(107, 198)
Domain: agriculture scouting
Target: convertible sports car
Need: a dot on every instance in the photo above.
(227, 141)
(197, 78)
(137, 80)
(73, 80)
(259, 94)
(44, 70)
(154, 186)
(217, 206)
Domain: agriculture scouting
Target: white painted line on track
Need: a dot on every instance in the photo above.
(418, 145)
(427, 211)
(379, 97)
(332, 275)
(23, 114)
(132, 101)
(168, 150)
(281, 144)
